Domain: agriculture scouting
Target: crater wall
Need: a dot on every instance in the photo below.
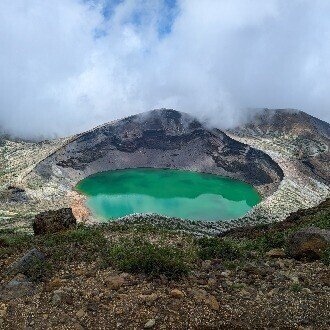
(160, 139)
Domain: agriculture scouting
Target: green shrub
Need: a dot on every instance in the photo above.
(266, 242)
(326, 257)
(39, 270)
(81, 244)
(12, 242)
(140, 256)
(322, 221)
(215, 248)
(296, 287)
(15, 240)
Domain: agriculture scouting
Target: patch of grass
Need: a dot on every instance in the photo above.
(232, 264)
(138, 255)
(89, 244)
(322, 220)
(81, 244)
(12, 242)
(296, 287)
(13, 237)
(16, 240)
(138, 228)
(215, 248)
(266, 242)
(326, 257)
(39, 270)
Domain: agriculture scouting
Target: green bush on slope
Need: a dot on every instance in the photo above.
(140, 256)
(215, 248)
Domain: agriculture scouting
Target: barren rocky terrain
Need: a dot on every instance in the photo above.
(299, 143)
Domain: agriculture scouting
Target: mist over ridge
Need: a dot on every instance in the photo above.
(69, 65)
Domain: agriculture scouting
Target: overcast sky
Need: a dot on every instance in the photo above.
(68, 65)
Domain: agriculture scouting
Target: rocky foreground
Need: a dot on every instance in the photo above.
(141, 277)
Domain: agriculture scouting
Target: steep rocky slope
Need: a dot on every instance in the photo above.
(297, 134)
(299, 143)
(18, 157)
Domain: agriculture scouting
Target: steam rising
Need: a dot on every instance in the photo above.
(68, 65)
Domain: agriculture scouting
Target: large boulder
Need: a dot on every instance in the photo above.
(308, 243)
(54, 221)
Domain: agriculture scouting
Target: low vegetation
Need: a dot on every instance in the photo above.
(148, 250)
(135, 254)
(214, 248)
(326, 257)
(117, 274)
(138, 255)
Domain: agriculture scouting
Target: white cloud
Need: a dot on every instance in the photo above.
(65, 68)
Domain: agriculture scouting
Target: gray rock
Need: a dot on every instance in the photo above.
(27, 262)
(276, 253)
(18, 287)
(54, 221)
(308, 243)
(150, 324)
(14, 194)
(57, 297)
(62, 296)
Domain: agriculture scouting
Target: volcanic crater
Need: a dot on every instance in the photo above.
(254, 153)
(161, 139)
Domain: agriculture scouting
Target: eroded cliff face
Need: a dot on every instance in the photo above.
(299, 143)
(294, 134)
(160, 139)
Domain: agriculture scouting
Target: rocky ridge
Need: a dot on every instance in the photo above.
(299, 143)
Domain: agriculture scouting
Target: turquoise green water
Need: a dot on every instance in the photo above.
(174, 193)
